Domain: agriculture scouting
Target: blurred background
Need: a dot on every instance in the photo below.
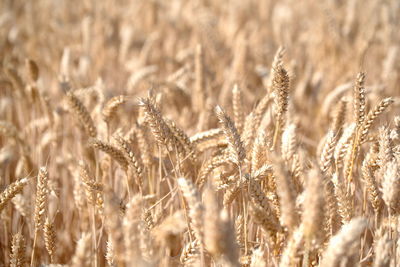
(132, 45)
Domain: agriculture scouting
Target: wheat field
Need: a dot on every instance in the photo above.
(200, 133)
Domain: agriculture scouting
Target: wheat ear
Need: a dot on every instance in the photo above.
(372, 186)
(328, 151)
(17, 256)
(383, 248)
(131, 229)
(258, 152)
(290, 255)
(213, 237)
(280, 85)
(362, 133)
(342, 246)
(81, 257)
(372, 116)
(359, 99)
(209, 166)
(340, 115)
(133, 161)
(261, 209)
(110, 258)
(144, 146)
(345, 204)
(287, 196)
(289, 142)
(111, 107)
(391, 187)
(183, 139)
(159, 126)
(40, 205)
(196, 209)
(258, 258)
(238, 153)
(11, 191)
(253, 120)
(313, 208)
(114, 152)
(237, 105)
(50, 238)
(81, 113)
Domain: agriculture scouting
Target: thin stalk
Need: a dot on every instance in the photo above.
(276, 134)
(33, 248)
(93, 211)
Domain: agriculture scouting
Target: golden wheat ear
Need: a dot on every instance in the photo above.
(81, 113)
(238, 153)
(280, 86)
(339, 118)
(261, 208)
(383, 247)
(290, 255)
(313, 208)
(372, 116)
(287, 196)
(18, 250)
(50, 238)
(41, 198)
(158, 126)
(111, 107)
(237, 105)
(81, 257)
(391, 187)
(111, 150)
(133, 160)
(343, 245)
(359, 99)
(195, 206)
(11, 191)
(375, 195)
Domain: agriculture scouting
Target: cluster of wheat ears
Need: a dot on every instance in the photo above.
(199, 133)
